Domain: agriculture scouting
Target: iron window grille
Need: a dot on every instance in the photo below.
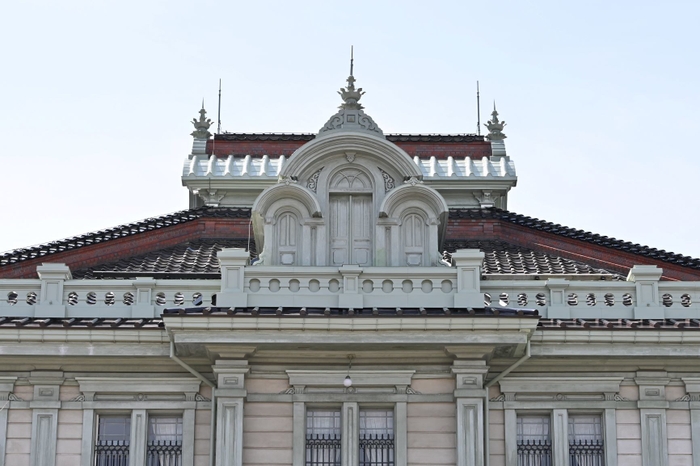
(376, 437)
(164, 446)
(586, 445)
(323, 438)
(112, 444)
(533, 440)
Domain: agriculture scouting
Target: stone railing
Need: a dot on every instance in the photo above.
(643, 296)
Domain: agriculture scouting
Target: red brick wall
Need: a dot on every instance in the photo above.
(440, 150)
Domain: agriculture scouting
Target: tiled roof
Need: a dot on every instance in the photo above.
(199, 257)
(149, 224)
(504, 258)
(501, 258)
(305, 137)
(581, 235)
(193, 257)
(85, 323)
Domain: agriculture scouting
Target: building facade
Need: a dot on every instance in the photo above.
(348, 298)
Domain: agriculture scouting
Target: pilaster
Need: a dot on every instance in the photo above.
(143, 305)
(137, 442)
(560, 437)
(44, 435)
(230, 396)
(469, 394)
(653, 405)
(350, 434)
(558, 306)
(7, 385)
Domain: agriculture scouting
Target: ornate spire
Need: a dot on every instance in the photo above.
(495, 126)
(351, 96)
(351, 117)
(201, 126)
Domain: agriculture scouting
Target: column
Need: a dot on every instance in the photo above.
(137, 441)
(350, 435)
(560, 437)
(652, 408)
(45, 404)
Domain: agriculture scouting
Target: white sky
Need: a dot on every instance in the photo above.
(601, 100)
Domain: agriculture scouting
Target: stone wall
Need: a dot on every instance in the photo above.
(432, 427)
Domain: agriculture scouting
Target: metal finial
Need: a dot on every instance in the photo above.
(352, 59)
(202, 104)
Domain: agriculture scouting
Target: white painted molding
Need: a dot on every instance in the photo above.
(360, 378)
(137, 385)
(554, 385)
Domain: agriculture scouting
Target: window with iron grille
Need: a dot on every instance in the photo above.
(323, 437)
(376, 437)
(534, 441)
(164, 447)
(112, 444)
(586, 445)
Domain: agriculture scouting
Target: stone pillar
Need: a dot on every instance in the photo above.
(468, 263)
(469, 394)
(52, 277)
(351, 297)
(45, 405)
(560, 437)
(648, 303)
(230, 395)
(692, 388)
(652, 408)
(137, 441)
(232, 262)
(143, 304)
(558, 306)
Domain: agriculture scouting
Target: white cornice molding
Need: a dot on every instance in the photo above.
(554, 385)
(138, 385)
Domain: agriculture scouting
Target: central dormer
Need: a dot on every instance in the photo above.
(349, 197)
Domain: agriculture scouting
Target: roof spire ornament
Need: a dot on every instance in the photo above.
(351, 96)
(201, 126)
(495, 126)
(351, 117)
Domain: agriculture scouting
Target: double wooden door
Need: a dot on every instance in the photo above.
(351, 229)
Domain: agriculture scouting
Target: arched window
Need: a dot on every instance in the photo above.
(287, 236)
(413, 238)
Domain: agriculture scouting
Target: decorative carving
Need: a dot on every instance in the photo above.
(618, 397)
(198, 397)
(495, 126)
(201, 126)
(560, 397)
(292, 391)
(389, 182)
(413, 180)
(312, 184)
(13, 397)
(350, 157)
(210, 197)
(685, 397)
(140, 397)
(411, 391)
(501, 397)
(486, 199)
(287, 180)
(80, 397)
(350, 390)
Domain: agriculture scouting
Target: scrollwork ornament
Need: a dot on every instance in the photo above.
(312, 183)
(389, 182)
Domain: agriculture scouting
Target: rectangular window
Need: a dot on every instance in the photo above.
(164, 447)
(534, 441)
(323, 437)
(377, 437)
(112, 445)
(586, 446)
